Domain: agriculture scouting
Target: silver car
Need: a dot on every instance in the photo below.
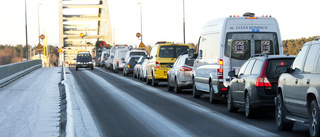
(180, 75)
(137, 67)
(143, 70)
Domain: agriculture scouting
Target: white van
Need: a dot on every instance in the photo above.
(104, 56)
(225, 44)
(119, 61)
(109, 62)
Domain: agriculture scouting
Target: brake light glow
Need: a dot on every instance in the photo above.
(263, 81)
(220, 71)
(183, 68)
(157, 65)
(282, 63)
(128, 66)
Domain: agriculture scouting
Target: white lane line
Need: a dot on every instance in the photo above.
(224, 120)
(146, 115)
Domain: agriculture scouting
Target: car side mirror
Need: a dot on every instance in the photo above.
(281, 69)
(200, 54)
(232, 74)
(190, 53)
(112, 56)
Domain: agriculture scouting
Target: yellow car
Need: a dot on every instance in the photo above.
(161, 59)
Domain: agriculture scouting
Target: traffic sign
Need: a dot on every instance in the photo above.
(138, 35)
(39, 47)
(42, 36)
(59, 50)
(142, 45)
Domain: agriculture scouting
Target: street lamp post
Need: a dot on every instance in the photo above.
(184, 26)
(25, 11)
(141, 19)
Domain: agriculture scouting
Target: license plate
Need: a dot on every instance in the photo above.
(84, 65)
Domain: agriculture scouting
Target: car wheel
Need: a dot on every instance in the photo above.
(76, 68)
(248, 109)
(231, 107)
(177, 89)
(280, 115)
(211, 99)
(92, 68)
(314, 119)
(195, 91)
(153, 82)
(170, 88)
(148, 81)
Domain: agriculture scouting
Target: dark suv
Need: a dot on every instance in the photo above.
(255, 86)
(84, 60)
(299, 89)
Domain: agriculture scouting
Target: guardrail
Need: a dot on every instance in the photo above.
(11, 72)
(66, 119)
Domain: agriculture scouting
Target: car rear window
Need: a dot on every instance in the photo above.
(172, 51)
(137, 53)
(272, 65)
(133, 60)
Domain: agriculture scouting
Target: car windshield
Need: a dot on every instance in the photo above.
(84, 57)
(172, 51)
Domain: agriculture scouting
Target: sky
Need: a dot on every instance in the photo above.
(162, 20)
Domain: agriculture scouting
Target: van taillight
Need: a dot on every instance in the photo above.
(185, 69)
(157, 65)
(263, 81)
(220, 71)
(118, 61)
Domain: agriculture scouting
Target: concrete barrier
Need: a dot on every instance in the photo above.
(66, 118)
(11, 72)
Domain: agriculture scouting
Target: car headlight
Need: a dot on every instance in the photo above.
(78, 62)
(90, 62)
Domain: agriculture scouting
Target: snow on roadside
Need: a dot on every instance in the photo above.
(30, 105)
(83, 122)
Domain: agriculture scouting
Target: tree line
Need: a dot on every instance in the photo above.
(293, 46)
(13, 54)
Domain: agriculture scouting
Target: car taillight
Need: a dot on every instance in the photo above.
(99, 59)
(118, 61)
(183, 68)
(220, 71)
(157, 65)
(128, 66)
(263, 81)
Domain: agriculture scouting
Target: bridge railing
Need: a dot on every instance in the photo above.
(11, 72)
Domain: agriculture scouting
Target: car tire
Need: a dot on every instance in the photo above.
(248, 110)
(211, 95)
(177, 89)
(231, 107)
(148, 81)
(314, 119)
(195, 91)
(170, 88)
(92, 68)
(280, 115)
(76, 68)
(153, 82)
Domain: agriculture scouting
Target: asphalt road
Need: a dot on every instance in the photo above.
(125, 106)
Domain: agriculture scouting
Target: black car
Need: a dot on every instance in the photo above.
(129, 66)
(256, 84)
(84, 60)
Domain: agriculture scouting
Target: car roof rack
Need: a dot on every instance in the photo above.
(260, 55)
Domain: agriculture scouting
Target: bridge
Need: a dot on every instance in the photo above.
(60, 101)
(93, 23)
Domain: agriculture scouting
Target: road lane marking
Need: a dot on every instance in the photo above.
(148, 116)
(234, 124)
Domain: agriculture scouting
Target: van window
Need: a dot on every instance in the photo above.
(172, 51)
(239, 45)
(210, 46)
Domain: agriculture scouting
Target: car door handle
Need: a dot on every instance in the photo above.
(308, 81)
(296, 81)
